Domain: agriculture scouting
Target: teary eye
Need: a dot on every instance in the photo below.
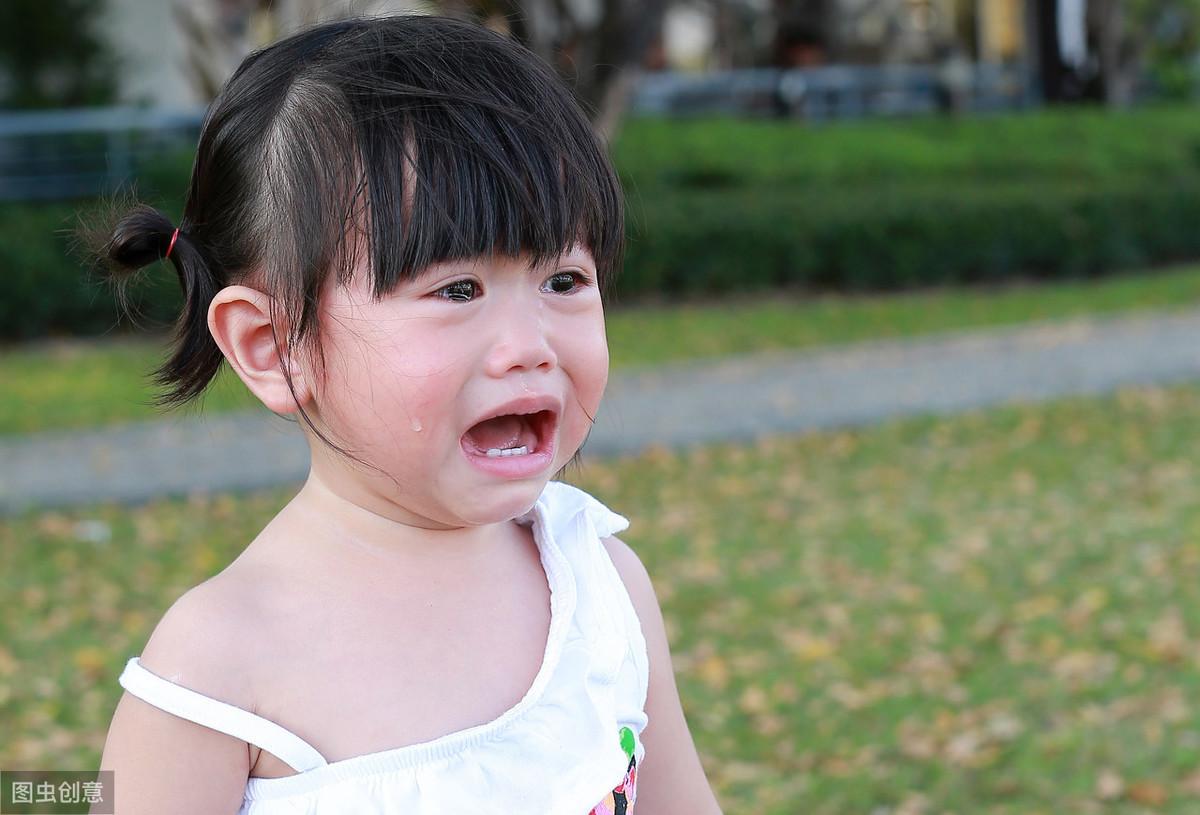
(457, 290)
(569, 277)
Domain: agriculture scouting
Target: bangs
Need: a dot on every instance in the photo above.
(446, 185)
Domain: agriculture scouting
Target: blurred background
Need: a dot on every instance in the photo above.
(944, 251)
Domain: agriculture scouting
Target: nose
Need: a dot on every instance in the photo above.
(521, 342)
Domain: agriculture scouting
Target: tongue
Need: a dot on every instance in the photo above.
(502, 432)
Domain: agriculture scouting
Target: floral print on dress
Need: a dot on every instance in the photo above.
(620, 800)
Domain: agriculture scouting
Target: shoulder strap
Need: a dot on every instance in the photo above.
(221, 716)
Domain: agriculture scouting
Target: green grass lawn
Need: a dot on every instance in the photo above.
(79, 384)
(996, 612)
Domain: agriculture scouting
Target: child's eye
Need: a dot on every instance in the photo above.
(456, 291)
(569, 278)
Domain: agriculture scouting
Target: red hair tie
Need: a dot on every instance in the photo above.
(172, 244)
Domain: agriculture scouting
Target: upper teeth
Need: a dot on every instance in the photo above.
(508, 451)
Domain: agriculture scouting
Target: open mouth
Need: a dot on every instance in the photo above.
(513, 434)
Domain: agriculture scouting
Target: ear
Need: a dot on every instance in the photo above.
(239, 318)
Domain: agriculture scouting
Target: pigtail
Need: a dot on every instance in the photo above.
(197, 358)
(140, 237)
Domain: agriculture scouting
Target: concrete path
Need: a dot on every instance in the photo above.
(691, 403)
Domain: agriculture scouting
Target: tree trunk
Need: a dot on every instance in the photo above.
(599, 59)
(615, 102)
(1119, 53)
(631, 28)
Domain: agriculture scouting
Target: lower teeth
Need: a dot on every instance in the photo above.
(512, 451)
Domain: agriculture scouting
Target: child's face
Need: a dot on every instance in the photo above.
(409, 375)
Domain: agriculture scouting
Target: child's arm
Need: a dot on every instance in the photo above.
(161, 762)
(672, 779)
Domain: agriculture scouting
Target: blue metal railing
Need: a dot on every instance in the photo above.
(87, 151)
(84, 152)
(834, 91)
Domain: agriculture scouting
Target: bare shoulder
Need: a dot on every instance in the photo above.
(163, 762)
(203, 642)
(633, 573)
(672, 778)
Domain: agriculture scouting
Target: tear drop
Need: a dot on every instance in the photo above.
(416, 425)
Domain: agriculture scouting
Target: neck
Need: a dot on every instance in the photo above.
(354, 520)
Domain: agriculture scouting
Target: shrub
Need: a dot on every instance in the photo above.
(723, 205)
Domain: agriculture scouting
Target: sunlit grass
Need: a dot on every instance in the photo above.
(77, 384)
(770, 320)
(996, 612)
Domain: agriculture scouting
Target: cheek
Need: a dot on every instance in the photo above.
(424, 377)
(587, 361)
(594, 372)
(380, 390)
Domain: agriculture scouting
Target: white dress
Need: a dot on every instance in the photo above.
(571, 746)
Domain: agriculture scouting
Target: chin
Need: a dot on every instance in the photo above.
(503, 502)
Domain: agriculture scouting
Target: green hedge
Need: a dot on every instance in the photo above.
(711, 242)
(717, 205)
(44, 288)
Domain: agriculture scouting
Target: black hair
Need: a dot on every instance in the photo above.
(440, 139)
